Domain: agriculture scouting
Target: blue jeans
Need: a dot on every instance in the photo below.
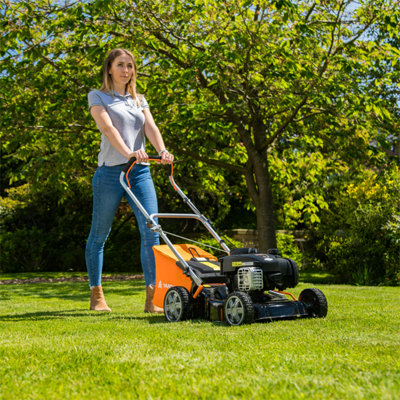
(107, 195)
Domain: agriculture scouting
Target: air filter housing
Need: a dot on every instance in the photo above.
(250, 278)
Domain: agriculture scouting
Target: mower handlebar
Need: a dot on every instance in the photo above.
(133, 160)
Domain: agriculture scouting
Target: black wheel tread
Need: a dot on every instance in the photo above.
(248, 307)
(186, 303)
(319, 308)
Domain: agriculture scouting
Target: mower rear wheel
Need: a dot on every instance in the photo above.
(314, 302)
(177, 304)
(239, 309)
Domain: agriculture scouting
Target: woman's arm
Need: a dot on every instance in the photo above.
(154, 135)
(152, 131)
(106, 126)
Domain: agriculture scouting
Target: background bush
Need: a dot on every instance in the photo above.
(359, 241)
(40, 233)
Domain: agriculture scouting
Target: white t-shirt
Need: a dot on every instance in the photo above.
(127, 117)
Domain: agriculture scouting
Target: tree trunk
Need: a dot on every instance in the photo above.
(259, 185)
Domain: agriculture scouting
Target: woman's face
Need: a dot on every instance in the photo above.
(121, 70)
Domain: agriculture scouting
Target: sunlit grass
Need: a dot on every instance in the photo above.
(53, 347)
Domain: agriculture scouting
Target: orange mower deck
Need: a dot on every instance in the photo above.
(168, 274)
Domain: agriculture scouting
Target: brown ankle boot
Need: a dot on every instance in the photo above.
(149, 307)
(97, 300)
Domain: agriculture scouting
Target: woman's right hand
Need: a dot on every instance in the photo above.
(140, 155)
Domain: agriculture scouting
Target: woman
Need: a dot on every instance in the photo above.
(124, 119)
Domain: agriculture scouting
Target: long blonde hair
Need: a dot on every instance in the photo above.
(107, 84)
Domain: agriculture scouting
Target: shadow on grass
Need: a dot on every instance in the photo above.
(160, 319)
(79, 313)
(151, 318)
(47, 315)
(317, 277)
(70, 291)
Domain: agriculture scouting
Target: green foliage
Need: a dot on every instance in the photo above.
(205, 187)
(280, 80)
(301, 188)
(287, 247)
(40, 233)
(361, 242)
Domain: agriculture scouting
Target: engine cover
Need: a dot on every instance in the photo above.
(278, 272)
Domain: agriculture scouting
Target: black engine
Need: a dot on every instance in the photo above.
(247, 270)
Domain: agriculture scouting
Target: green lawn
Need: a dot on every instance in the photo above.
(52, 347)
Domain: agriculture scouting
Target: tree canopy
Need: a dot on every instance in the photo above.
(285, 96)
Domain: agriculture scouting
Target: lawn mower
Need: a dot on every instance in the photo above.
(241, 287)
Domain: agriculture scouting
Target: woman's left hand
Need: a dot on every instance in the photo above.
(167, 158)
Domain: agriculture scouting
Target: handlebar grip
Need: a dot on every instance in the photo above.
(129, 164)
(133, 159)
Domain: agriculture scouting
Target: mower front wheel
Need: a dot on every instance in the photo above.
(314, 302)
(177, 305)
(239, 309)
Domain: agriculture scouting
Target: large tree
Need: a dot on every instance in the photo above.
(235, 84)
